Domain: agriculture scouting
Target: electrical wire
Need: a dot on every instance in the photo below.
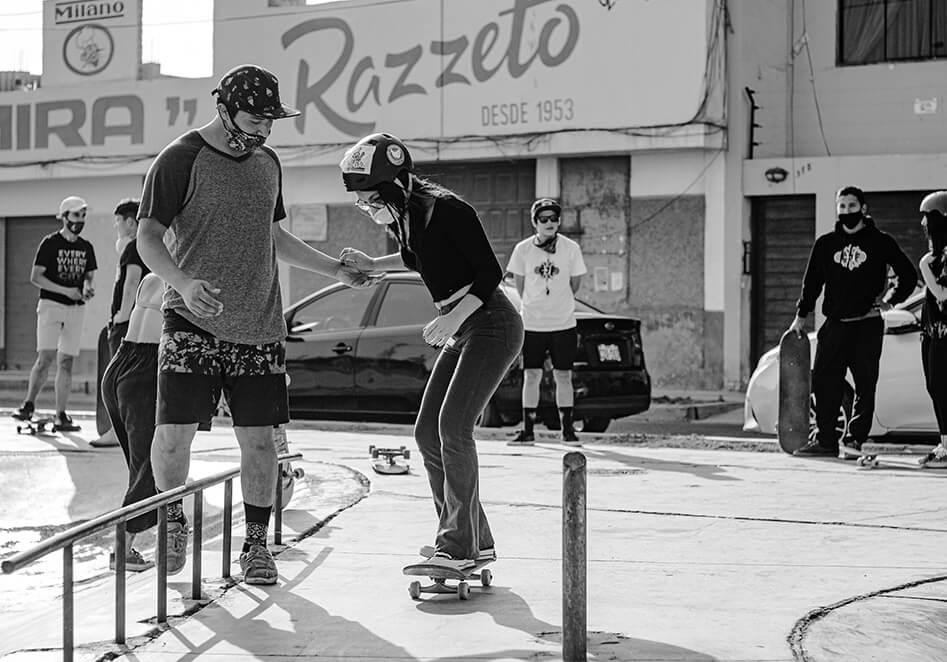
(815, 94)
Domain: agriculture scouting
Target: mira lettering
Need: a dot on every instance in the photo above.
(72, 123)
(71, 12)
(459, 59)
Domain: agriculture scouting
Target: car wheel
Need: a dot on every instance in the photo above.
(596, 424)
(844, 415)
(490, 418)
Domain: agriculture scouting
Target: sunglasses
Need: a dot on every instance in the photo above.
(547, 219)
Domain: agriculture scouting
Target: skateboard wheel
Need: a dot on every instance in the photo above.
(463, 590)
(298, 473)
(407, 454)
(414, 590)
(371, 450)
(486, 577)
(402, 449)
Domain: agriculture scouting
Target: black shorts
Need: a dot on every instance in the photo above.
(559, 344)
(194, 367)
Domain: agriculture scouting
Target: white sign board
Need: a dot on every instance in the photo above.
(90, 40)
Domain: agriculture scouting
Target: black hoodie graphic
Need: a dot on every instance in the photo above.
(853, 268)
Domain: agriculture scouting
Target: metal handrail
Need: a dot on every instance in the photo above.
(118, 517)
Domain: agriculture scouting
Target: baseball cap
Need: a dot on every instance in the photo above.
(71, 203)
(253, 90)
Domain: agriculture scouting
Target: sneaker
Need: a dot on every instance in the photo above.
(570, 438)
(443, 560)
(485, 554)
(522, 438)
(63, 421)
(134, 561)
(936, 459)
(177, 547)
(258, 566)
(24, 413)
(107, 440)
(815, 449)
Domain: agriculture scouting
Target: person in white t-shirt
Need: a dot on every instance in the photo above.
(547, 269)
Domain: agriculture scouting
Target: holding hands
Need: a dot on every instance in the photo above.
(354, 258)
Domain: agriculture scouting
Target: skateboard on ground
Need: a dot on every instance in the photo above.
(288, 475)
(441, 575)
(870, 461)
(36, 426)
(389, 465)
(794, 382)
(102, 422)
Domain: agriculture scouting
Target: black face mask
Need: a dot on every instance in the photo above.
(75, 228)
(852, 219)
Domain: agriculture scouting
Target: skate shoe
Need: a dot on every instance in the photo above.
(177, 547)
(134, 561)
(570, 438)
(485, 554)
(442, 560)
(258, 566)
(936, 459)
(63, 422)
(24, 413)
(522, 438)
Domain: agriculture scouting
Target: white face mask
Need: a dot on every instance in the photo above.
(383, 215)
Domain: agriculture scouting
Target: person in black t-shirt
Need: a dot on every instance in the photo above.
(934, 318)
(480, 332)
(128, 275)
(62, 270)
(851, 264)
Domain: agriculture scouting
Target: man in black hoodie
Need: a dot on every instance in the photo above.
(851, 263)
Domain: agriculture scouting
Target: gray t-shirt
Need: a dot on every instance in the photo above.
(222, 209)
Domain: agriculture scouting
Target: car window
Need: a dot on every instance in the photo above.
(406, 303)
(338, 310)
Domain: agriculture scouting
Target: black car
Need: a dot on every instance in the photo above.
(358, 354)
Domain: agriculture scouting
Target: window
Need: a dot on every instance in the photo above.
(339, 310)
(890, 30)
(406, 303)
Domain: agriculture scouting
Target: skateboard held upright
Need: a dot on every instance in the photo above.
(794, 384)
(286, 480)
(102, 422)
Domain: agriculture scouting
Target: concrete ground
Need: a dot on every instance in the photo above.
(693, 554)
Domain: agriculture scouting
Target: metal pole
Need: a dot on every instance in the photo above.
(278, 507)
(574, 635)
(67, 604)
(120, 554)
(162, 553)
(228, 525)
(198, 543)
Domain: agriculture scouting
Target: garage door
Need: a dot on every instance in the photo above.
(22, 239)
(500, 191)
(783, 234)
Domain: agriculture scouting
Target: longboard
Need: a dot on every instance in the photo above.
(440, 576)
(794, 384)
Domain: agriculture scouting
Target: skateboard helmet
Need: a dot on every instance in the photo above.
(936, 201)
(373, 160)
(544, 204)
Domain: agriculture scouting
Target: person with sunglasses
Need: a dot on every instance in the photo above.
(63, 270)
(477, 328)
(547, 270)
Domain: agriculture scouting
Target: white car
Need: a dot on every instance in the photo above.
(902, 405)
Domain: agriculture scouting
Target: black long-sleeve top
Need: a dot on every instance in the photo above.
(452, 251)
(853, 268)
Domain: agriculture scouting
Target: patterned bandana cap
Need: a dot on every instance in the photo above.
(380, 157)
(255, 91)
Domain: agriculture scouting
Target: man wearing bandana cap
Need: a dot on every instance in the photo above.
(547, 269)
(62, 270)
(219, 189)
